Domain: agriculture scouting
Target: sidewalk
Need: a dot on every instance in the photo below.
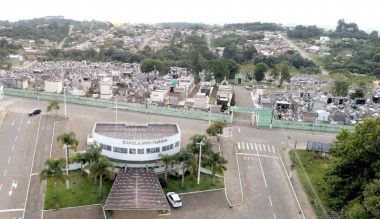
(231, 176)
(303, 199)
(3, 114)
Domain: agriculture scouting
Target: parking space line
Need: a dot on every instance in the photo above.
(260, 147)
(251, 146)
(1, 186)
(269, 148)
(270, 200)
(13, 147)
(9, 159)
(238, 145)
(265, 148)
(5, 173)
(255, 146)
(273, 149)
(274, 216)
(242, 144)
(16, 138)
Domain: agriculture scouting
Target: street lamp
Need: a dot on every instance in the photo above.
(199, 162)
(67, 165)
(64, 99)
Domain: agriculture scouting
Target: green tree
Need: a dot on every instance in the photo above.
(285, 73)
(372, 198)
(217, 163)
(54, 105)
(54, 170)
(260, 70)
(100, 169)
(187, 161)
(68, 141)
(216, 129)
(233, 99)
(149, 65)
(195, 65)
(357, 211)
(340, 88)
(81, 158)
(354, 164)
(194, 147)
(167, 160)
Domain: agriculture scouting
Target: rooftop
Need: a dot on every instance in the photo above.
(135, 131)
(136, 189)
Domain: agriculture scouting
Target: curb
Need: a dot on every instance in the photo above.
(241, 187)
(209, 190)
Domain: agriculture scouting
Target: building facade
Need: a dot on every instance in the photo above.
(136, 144)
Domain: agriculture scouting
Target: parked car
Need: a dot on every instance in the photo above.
(174, 199)
(34, 112)
(248, 87)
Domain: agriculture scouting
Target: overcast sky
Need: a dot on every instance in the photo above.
(321, 13)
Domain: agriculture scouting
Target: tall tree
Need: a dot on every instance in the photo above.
(68, 141)
(354, 164)
(217, 163)
(103, 167)
(167, 160)
(187, 161)
(285, 73)
(260, 70)
(54, 170)
(216, 129)
(194, 147)
(54, 105)
(340, 88)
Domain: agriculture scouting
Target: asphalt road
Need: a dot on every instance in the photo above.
(303, 53)
(265, 185)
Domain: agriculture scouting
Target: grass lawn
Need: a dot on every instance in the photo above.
(174, 184)
(195, 90)
(81, 192)
(315, 169)
(213, 95)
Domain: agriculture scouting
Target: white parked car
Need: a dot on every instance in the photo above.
(174, 199)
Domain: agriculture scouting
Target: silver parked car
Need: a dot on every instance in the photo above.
(174, 199)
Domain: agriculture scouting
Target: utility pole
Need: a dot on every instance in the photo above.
(67, 166)
(199, 162)
(64, 95)
(116, 109)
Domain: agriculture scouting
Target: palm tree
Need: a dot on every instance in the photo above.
(54, 170)
(81, 158)
(68, 140)
(167, 160)
(93, 155)
(187, 160)
(217, 163)
(100, 169)
(194, 146)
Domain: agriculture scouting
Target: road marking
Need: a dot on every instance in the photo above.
(1, 186)
(238, 145)
(33, 174)
(255, 146)
(269, 148)
(13, 147)
(260, 147)
(5, 173)
(274, 216)
(270, 200)
(273, 149)
(262, 171)
(265, 148)
(31, 168)
(242, 144)
(251, 146)
(13, 122)
(9, 159)
(16, 138)
(259, 155)
(10, 210)
(28, 121)
(18, 129)
(239, 129)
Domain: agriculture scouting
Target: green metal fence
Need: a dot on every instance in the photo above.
(136, 107)
(310, 126)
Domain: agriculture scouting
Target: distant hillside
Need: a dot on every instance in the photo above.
(60, 20)
(184, 25)
(256, 26)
